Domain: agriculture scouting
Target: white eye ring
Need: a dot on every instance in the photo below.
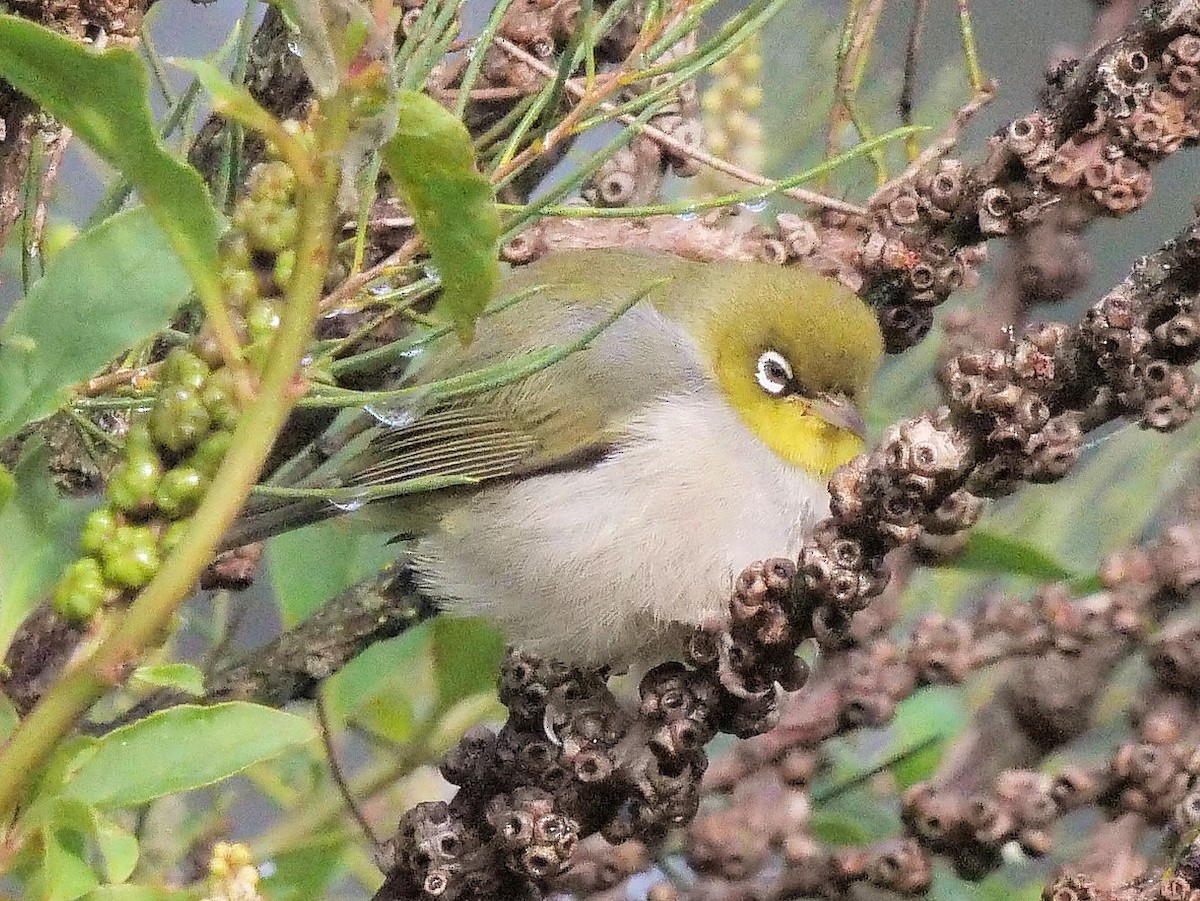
(773, 372)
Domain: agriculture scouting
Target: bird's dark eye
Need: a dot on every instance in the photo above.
(773, 373)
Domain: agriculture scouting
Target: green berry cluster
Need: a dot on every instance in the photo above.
(171, 455)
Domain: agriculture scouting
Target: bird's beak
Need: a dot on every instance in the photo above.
(839, 411)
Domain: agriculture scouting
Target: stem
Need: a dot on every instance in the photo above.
(144, 623)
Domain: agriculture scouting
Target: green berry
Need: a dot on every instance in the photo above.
(274, 181)
(235, 252)
(80, 591)
(173, 537)
(285, 264)
(218, 397)
(131, 558)
(138, 440)
(208, 456)
(179, 420)
(240, 286)
(262, 319)
(179, 491)
(270, 227)
(133, 482)
(98, 529)
(184, 369)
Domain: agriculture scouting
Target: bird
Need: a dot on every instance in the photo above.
(606, 503)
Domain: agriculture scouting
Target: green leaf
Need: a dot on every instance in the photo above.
(181, 676)
(114, 285)
(993, 553)
(118, 848)
(309, 566)
(467, 656)
(308, 871)
(230, 100)
(923, 725)
(182, 748)
(66, 869)
(839, 829)
(39, 529)
(430, 159)
(102, 97)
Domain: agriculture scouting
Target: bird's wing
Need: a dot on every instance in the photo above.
(477, 441)
(570, 413)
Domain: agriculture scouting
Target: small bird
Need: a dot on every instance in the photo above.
(618, 493)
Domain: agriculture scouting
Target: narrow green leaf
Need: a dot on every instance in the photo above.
(112, 286)
(430, 159)
(993, 553)
(182, 748)
(181, 676)
(102, 97)
(40, 530)
(234, 102)
(230, 100)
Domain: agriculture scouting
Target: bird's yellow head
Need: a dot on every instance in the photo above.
(794, 352)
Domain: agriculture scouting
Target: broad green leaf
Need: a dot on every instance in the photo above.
(467, 656)
(994, 553)
(386, 687)
(309, 566)
(102, 97)
(306, 872)
(40, 530)
(924, 725)
(182, 748)
(430, 159)
(114, 285)
(66, 870)
(181, 676)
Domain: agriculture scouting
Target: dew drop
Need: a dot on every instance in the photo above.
(757, 205)
(349, 505)
(266, 869)
(294, 48)
(687, 216)
(394, 417)
(432, 274)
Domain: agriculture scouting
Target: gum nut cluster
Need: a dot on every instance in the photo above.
(171, 455)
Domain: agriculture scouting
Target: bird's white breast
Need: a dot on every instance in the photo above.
(593, 565)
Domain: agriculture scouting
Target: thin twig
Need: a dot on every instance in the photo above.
(911, 54)
(339, 778)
